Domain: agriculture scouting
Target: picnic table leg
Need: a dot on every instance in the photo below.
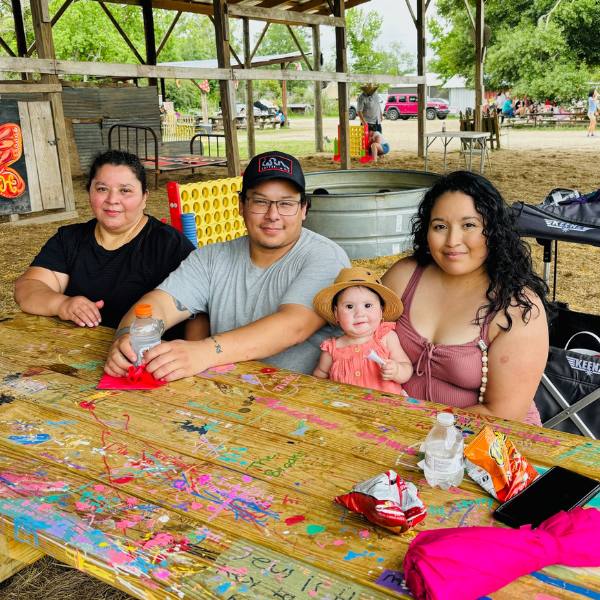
(15, 556)
(483, 146)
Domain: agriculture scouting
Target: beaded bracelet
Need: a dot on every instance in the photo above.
(484, 368)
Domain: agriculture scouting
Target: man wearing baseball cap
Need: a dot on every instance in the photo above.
(252, 296)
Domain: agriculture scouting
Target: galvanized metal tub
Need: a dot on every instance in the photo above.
(366, 211)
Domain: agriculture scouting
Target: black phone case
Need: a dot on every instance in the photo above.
(503, 512)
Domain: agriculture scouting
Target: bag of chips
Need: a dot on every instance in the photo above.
(386, 500)
(493, 462)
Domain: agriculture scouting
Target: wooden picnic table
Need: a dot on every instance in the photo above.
(222, 485)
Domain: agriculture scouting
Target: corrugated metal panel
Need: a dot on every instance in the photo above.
(88, 137)
(110, 106)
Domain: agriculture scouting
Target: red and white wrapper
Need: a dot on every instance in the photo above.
(386, 500)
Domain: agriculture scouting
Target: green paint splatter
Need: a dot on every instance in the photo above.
(314, 529)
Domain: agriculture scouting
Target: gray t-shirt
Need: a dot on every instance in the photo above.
(370, 108)
(221, 280)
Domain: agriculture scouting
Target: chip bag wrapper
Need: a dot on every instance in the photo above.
(386, 500)
(493, 462)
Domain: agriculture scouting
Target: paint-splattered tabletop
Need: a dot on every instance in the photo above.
(222, 485)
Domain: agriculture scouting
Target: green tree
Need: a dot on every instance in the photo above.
(363, 29)
(539, 48)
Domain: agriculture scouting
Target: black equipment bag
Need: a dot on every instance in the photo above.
(568, 397)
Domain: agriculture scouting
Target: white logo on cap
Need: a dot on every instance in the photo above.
(275, 163)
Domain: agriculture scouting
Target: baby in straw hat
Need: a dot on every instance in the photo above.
(369, 353)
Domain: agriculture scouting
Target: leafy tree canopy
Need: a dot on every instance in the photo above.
(539, 48)
(363, 29)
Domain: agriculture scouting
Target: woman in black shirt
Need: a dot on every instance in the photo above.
(92, 273)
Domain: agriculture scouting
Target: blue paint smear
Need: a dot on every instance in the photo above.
(29, 440)
(565, 585)
(223, 587)
(352, 555)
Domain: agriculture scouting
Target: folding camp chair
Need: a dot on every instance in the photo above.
(570, 384)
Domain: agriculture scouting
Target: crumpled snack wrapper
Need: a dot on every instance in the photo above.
(386, 500)
(493, 462)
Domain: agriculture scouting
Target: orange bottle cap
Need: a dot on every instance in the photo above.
(143, 310)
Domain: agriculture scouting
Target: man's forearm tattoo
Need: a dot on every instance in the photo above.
(218, 348)
(180, 307)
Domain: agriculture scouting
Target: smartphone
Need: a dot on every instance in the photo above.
(557, 489)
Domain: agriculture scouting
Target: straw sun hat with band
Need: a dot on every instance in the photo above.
(353, 277)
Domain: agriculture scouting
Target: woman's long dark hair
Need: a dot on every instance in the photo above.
(508, 263)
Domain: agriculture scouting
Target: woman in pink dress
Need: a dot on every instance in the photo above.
(369, 353)
(474, 321)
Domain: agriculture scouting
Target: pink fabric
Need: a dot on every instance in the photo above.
(451, 373)
(351, 365)
(470, 562)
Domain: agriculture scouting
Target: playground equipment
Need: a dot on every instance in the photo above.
(214, 205)
(366, 211)
(359, 144)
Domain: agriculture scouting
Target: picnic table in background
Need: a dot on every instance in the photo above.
(546, 118)
(222, 485)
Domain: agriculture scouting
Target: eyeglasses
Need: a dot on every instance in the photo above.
(286, 208)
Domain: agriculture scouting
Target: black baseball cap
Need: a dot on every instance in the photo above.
(273, 165)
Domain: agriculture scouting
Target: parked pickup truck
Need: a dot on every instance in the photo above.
(404, 106)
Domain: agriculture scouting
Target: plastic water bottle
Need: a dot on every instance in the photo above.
(144, 332)
(443, 464)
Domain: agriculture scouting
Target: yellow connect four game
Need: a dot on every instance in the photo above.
(215, 205)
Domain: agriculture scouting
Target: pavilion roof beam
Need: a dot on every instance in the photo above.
(121, 32)
(287, 17)
(129, 70)
(299, 47)
(411, 11)
(237, 58)
(59, 13)
(260, 39)
(168, 33)
(6, 47)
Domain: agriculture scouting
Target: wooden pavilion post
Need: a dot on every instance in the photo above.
(226, 87)
(284, 98)
(42, 27)
(479, 56)
(149, 37)
(316, 40)
(421, 71)
(249, 91)
(341, 66)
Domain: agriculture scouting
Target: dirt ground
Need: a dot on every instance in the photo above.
(534, 162)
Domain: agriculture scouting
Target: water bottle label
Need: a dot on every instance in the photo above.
(142, 350)
(443, 465)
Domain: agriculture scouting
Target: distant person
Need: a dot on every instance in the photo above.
(92, 273)
(280, 117)
(591, 111)
(377, 145)
(507, 108)
(368, 107)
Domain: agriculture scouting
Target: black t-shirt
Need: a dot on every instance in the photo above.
(119, 277)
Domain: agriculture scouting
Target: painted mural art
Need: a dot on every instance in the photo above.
(14, 195)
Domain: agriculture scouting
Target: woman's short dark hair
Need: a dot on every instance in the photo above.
(508, 263)
(591, 93)
(118, 158)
